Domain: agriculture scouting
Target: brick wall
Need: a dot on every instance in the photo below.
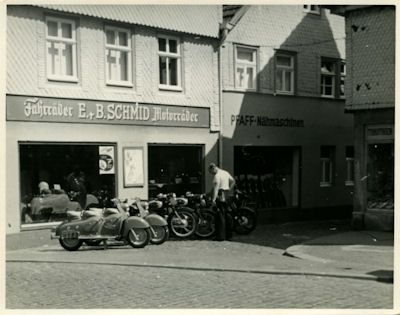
(271, 27)
(371, 54)
(26, 64)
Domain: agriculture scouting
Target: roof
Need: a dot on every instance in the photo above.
(203, 20)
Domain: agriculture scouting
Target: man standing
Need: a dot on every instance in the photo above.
(223, 183)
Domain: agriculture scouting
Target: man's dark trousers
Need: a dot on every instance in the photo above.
(223, 221)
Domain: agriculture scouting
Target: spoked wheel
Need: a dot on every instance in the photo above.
(245, 221)
(70, 244)
(138, 237)
(93, 242)
(206, 223)
(159, 234)
(182, 223)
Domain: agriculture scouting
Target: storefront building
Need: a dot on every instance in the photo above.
(286, 136)
(370, 99)
(126, 98)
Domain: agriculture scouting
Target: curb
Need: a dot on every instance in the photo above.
(267, 271)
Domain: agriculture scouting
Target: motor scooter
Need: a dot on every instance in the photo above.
(95, 225)
(158, 225)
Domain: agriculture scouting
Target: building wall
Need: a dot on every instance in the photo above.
(370, 50)
(271, 27)
(26, 63)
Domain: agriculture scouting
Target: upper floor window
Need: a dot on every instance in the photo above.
(284, 73)
(312, 8)
(169, 56)
(246, 68)
(61, 49)
(118, 56)
(333, 73)
(349, 166)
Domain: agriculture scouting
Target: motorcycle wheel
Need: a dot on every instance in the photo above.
(93, 242)
(161, 234)
(245, 221)
(70, 244)
(205, 224)
(182, 223)
(138, 238)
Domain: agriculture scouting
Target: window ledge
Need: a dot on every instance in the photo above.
(170, 88)
(119, 83)
(348, 183)
(325, 185)
(284, 93)
(62, 79)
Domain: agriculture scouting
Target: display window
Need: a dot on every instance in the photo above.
(175, 169)
(269, 175)
(57, 177)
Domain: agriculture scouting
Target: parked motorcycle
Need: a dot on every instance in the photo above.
(96, 225)
(244, 217)
(205, 216)
(158, 225)
(182, 220)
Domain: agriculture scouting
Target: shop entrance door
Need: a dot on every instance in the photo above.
(175, 168)
(270, 175)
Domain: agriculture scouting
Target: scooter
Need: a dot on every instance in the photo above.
(95, 225)
(158, 225)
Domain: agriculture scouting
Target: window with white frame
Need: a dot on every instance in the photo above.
(246, 68)
(61, 49)
(118, 53)
(169, 56)
(328, 78)
(311, 8)
(349, 166)
(326, 165)
(342, 79)
(284, 73)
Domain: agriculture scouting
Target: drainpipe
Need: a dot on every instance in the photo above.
(221, 132)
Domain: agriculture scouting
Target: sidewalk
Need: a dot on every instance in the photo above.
(327, 249)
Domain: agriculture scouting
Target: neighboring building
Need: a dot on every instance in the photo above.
(370, 97)
(286, 136)
(127, 93)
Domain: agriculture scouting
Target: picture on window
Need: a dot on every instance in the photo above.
(133, 167)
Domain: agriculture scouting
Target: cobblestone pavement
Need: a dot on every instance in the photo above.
(43, 285)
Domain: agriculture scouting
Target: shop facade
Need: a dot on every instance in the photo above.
(108, 97)
(286, 136)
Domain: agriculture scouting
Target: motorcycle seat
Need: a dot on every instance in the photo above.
(73, 215)
(109, 211)
(155, 204)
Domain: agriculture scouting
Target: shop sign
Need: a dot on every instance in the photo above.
(44, 109)
(380, 132)
(106, 160)
(265, 121)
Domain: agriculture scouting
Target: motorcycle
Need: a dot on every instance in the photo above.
(158, 225)
(182, 220)
(244, 217)
(96, 225)
(205, 216)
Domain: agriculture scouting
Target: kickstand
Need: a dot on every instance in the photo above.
(105, 246)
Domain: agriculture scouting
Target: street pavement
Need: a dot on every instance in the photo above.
(295, 265)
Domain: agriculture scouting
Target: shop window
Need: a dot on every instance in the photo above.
(61, 49)
(60, 177)
(118, 56)
(284, 73)
(169, 58)
(326, 165)
(349, 166)
(246, 68)
(380, 180)
(312, 8)
(175, 168)
(268, 175)
(333, 74)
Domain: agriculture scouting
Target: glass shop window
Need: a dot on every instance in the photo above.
(56, 178)
(175, 169)
(349, 166)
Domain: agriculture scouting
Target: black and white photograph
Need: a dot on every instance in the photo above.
(216, 157)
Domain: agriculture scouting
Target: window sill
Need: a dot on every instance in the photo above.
(349, 183)
(63, 79)
(170, 88)
(328, 96)
(324, 185)
(245, 90)
(119, 84)
(284, 93)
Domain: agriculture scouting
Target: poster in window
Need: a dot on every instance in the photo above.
(133, 167)
(106, 160)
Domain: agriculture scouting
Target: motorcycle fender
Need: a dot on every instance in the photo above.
(247, 209)
(134, 222)
(155, 219)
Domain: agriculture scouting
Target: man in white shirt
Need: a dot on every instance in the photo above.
(223, 184)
